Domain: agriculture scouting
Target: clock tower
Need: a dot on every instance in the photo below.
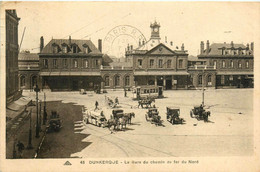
(155, 28)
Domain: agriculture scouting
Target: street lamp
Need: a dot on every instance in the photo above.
(30, 133)
(36, 89)
(44, 111)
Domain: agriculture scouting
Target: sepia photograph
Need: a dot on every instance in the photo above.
(133, 86)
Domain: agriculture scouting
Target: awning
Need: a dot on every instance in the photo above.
(156, 73)
(235, 73)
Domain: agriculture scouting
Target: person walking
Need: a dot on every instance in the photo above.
(116, 100)
(96, 104)
(20, 146)
(125, 93)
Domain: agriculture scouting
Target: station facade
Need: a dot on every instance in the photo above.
(71, 65)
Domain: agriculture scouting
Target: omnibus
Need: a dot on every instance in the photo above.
(153, 91)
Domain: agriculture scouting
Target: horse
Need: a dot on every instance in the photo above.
(206, 116)
(129, 115)
(112, 122)
(123, 121)
(147, 102)
(156, 119)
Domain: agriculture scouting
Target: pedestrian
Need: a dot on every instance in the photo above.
(116, 100)
(20, 146)
(96, 104)
(125, 93)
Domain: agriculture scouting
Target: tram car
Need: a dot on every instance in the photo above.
(151, 91)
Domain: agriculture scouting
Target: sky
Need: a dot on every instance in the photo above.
(181, 22)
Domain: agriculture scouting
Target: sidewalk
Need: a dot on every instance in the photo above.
(21, 133)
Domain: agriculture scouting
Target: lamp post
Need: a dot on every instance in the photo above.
(44, 110)
(36, 89)
(40, 116)
(30, 133)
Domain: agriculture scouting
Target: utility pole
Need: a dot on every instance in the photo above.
(37, 113)
(30, 132)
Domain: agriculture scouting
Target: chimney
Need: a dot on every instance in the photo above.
(165, 39)
(207, 48)
(247, 46)
(131, 47)
(232, 44)
(201, 47)
(143, 42)
(171, 43)
(252, 46)
(182, 47)
(100, 45)
(41, 43)
(128, 47)
(140, 43)
(69, 40)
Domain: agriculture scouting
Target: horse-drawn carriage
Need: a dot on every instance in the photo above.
(54, 122)
(95, 118)
(120, 119)
(173, 115)
(152, 115)
(111, 103)
(200, 113)
(147, 101)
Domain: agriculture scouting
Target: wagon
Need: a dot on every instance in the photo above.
(173, 115)
(200, 113)
(152, 115)
(54, 122)
(95, 118)
(118, 113)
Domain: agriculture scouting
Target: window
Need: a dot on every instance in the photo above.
(215, 63)
(209, 80)
(64, 49)
(200, 79)
(222, 79)
(223, 64)
(117, 80)
(22, 81)
(75, 62)
(45, 63)
(106, 80)
(74, 49)
(169, 64)
(55, 49)
(65, 63)
(96, 63)
(86, 63)
(231, 64)
(127, 81)
(239, 64)
(151, 63)
(160, 63)
(55, 63)
(85, 49)
(180, 63)
(247, 64)
(140, 62)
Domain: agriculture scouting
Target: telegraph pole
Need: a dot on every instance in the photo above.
(37, 113)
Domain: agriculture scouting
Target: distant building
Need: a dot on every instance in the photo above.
(69, 64)
(234, 63)
(156, 63)
(28, 64)
(12, 50)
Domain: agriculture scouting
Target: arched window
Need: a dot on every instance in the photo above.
(127, 81)
(117, 80)
(200, 79)
(223, 63)
(64, 49)
(74, 49)
(209, 80)
(106, 80)
(34, 81)
(239, 64)
(247, 64)
(231, 64)
(75, 63)
(22, 81)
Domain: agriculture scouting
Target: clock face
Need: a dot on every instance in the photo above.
(156, 29)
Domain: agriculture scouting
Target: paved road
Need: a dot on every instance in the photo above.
(230, 132)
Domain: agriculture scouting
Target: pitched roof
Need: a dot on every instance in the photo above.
(48, 48)
(28, 56)
(215, 48)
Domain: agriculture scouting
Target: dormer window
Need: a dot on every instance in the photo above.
(86, 48)
(64, 49)
(55, 48)
(74, 49)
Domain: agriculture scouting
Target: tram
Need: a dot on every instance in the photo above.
(145, 91)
